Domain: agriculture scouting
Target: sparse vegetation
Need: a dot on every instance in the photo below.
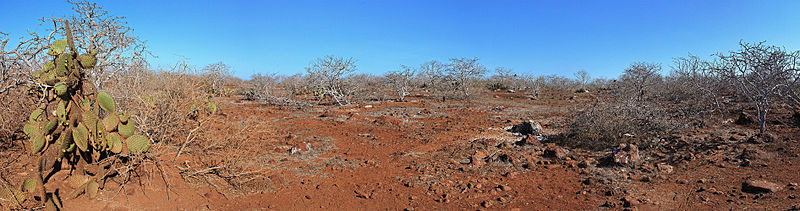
(84, 113)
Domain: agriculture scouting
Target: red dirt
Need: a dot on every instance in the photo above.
(420, 155)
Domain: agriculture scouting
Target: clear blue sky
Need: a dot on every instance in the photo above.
(538, 37)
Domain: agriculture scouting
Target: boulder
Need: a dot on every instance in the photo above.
(759, 186)
(527, 128)
(754, 153)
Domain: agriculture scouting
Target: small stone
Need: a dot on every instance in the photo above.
(664, 168)
(629, 201)
(682, 181)
(554, 151)
(626, 155)
(504, 187)
(486, 204)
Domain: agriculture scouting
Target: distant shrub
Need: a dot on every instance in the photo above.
(604, 125)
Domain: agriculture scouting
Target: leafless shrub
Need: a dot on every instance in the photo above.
(368, 87)
(402, 81)
(159, 100)
(637, 81)
(557, 83)
(604, 125)
(503, 79)
(262, 86)
(694, 88)
(94, 28)
(599, 84)
(762, 73)
(432, 75)
(583, 78)
(329, 74)
(215, 77)
(463, 72)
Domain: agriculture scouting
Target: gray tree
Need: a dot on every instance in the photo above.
(432, 74)
(761, 73)
(583, 78)
(639, 78)
(402, 81)
(328, 74)
(463, 72)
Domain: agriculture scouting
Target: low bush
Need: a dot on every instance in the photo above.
(605, 125)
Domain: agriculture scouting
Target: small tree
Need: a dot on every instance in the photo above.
(328, 75)
(762, 73)
(639, 77)
(502, 79)
(402, 81)
(215, 76)
(463, 71)
(432, 74)
(583, 78)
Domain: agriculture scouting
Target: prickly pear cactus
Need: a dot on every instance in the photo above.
(74, 124)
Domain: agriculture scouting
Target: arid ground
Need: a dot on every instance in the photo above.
(428, 154)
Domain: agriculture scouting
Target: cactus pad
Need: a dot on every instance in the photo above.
(29, 185)
(60, 88)
(77, 180)
(37, 142)
(87, 60)
(110, 122)
(126, 129)
(10, 194)
(91, 189)
(115, 142)
(58, 47)
(137, 144)
(106, 102)
(36, 114)
(80, 135)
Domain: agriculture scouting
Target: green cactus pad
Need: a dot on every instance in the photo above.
(106, 102)
(126, 129)
(58, 47)
(90, 120)
(60, 88)
(36, 114)
(30, 128)
(29, 185)
(137, 144)
(37, 142)
(115, 142)
(50, 126)
(80, 135)
(87, 60)
(49, 65)
(110, 122)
